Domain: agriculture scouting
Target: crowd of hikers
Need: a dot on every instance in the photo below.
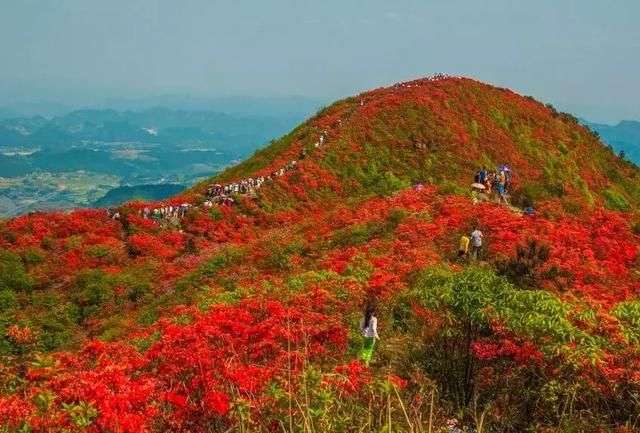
(435, 77)
(218, 193)
(486, 183)
(164, 212)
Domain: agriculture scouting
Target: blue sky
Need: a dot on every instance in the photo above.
(581, 55)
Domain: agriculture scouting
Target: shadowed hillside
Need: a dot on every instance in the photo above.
(241, 312)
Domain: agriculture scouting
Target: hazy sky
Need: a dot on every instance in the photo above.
(581, 55)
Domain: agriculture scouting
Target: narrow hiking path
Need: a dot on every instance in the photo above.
(389, 355)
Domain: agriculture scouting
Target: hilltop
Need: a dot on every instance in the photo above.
(440, 131)
(244, 316)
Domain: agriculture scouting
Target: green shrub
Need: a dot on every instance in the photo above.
(555, 189)
(210, 268)
(32, 256)
(148, 316)
(628, 313)
(216, 213)
(615, 201)
(13, 275)
(98, 251)
(8, 300)
(572, 206)
(528, 194)
(137, 285)
(279, 257)
(448, 187)
(396, 217)
(467, 305)
(357, 234)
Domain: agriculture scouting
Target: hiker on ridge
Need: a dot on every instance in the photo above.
(369, 329)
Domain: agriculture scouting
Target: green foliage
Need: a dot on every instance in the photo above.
(374, 174)
(528, 194)
(563, 148)
(396, 217)
(298, 283)
(82, 414)
(8, 300)
(527, 266)
(98, 251)
(137, 285)
(32, 256)
(94, 287)
(572, 206)
(628, 313)
(478, 307)
(13, 275)
(478, 295)
(279, 255)
(359, 234)
(210, 268)
(616, 201)
(500, 119)
(448, 187)
(474, 129)
(148, 315)
(216, 213)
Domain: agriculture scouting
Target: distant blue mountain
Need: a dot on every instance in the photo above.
(625, 136)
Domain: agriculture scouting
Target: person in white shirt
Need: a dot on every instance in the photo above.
(369, 329)
(476, 243)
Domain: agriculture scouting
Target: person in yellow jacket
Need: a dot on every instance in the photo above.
(463, 247)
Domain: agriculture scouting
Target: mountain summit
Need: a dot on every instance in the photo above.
(441, 131)
(238, 306)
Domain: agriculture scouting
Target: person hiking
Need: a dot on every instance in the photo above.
(501, 196)
(463, 246)
(476, 243)
(483, 175)
(489, 183)
(369, 329)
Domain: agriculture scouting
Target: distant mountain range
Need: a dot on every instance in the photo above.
(625, 136)
(155, 125)
(234, 105)
(78, 157)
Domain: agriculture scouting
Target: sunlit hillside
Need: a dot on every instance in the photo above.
(239, 311)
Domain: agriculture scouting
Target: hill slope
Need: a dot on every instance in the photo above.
(245, 317)
(443, 131)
